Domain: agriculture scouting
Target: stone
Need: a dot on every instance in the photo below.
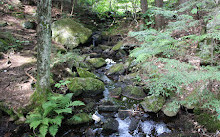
(153, 103)
(70, 33)
(116, 92)
(110, 126)
(117, 46)
(87, 86)
(96, 62)
(171, 108)
(29, 25)
(134, 92)
(108, 108)
(116, 69)
(79, 118)
(134, 124)
(84, 73)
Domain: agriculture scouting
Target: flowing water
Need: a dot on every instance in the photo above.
(146, 127)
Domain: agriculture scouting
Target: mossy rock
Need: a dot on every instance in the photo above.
(153, 103)
(87, 86)
(116, 69)
(211, 123)
(84, 73)
(79, 118)
(70, 33)
(96, 62)
(117, 46)
(134, 92)
(116, 92)
(171, 108)
(9, 111)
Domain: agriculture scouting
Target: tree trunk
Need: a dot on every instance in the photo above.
(159, 20)
(43, 49)
(144, 6)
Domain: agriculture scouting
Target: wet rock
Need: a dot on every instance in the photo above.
(116, 92)
(79, 119)
(108, 108)
(134, 92)
(84, 73)
(96, 62)
(87, 86)
(116, 69)
(171, 108)
(134, 124)
(110, 126)
(29, 25)
(153, 103)
(123, 114)
(117, 46)
(70, 33)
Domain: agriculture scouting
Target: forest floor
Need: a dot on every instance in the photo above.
(15, 66)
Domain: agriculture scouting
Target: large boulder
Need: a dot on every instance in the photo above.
(84, 73)
(171, 108)
(153, 103)
(96, 62)
(134, 92)
(70, 33)
(110, 126)
(116, 69)
(87, 86)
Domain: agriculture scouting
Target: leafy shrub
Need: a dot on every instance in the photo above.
(48, 117)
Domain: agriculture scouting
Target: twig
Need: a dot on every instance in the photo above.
(26, 72)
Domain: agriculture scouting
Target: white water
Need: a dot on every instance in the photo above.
(148, 127)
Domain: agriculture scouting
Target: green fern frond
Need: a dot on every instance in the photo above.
(53, 130)
(75, 103)
(57, 120)
(66, 110)
(35, 124)
(43, 130)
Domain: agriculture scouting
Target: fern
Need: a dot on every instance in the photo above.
(49, 116)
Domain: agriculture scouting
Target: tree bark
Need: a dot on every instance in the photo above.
(159, 20)
(44, 49)
(144, 6)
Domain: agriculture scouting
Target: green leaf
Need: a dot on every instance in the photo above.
(194, 11)
(75, 103)
(35, 124)
(53, 130)
(69, 96)
(66, 110)
(57, 120)
(48, 107)
(43, 130)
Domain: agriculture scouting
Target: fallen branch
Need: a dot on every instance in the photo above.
(26, 72)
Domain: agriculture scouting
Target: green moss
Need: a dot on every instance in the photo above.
(117, 46)
(134, 92)
(84, 73)
(70, 33)
(9, 111)
(96, 62)
(89, 86)
(153, 103)
(211, 123)
(116, 69)
(116, 92)
(79, 119)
